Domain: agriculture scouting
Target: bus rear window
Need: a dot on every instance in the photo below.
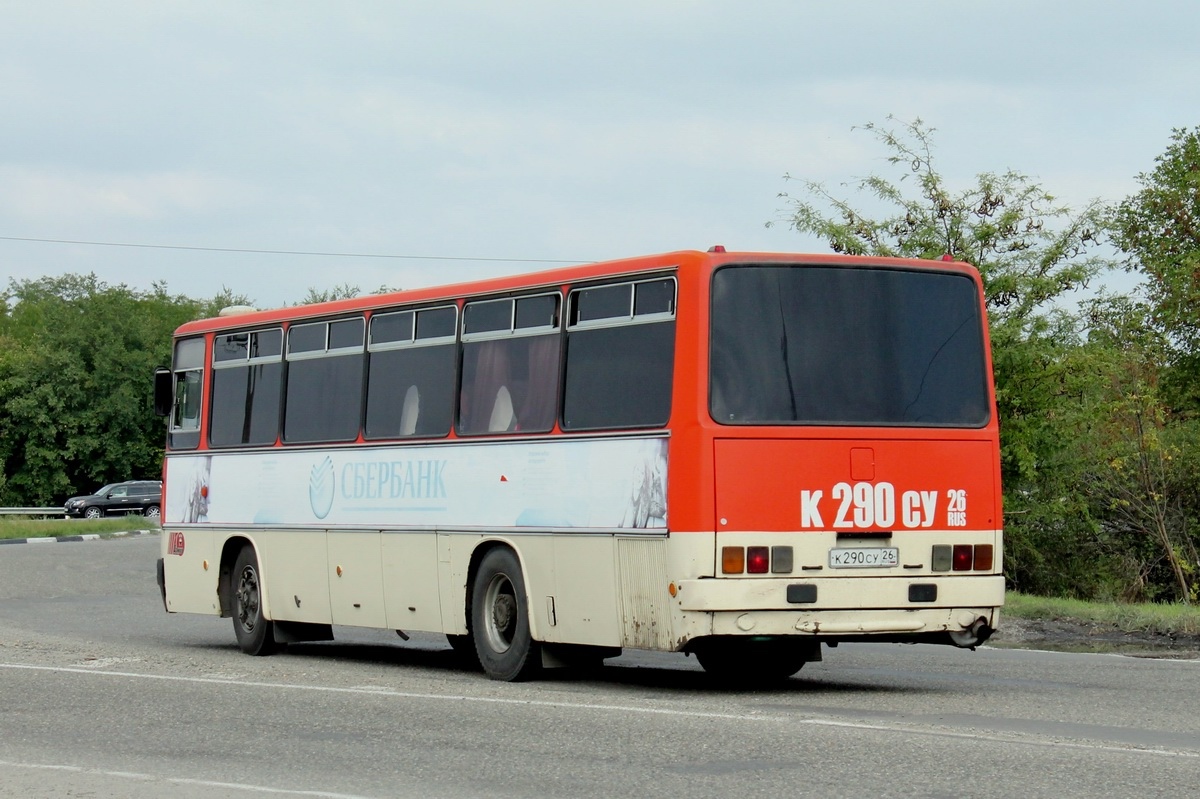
(846, 346)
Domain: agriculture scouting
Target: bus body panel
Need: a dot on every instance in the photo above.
(293, 565)
(190, 570)
(411, 572)
(849, 485)
(585, 484)
(356, 589)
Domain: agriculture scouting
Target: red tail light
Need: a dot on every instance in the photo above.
(758, 560)
(963, 557)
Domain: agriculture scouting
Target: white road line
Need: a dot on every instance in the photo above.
(816, 722)
(133, 775)
(381, 691)
(998, 738)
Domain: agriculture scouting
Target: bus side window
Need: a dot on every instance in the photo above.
(620, 356)
(247, 382)
(412, 373)
(510, 365)
(187, 389)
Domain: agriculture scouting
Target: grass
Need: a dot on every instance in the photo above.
(28, 527)
(1159, 618)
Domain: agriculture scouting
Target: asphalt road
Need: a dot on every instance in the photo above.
(102, 694)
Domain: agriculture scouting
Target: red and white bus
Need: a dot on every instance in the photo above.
(735, 455)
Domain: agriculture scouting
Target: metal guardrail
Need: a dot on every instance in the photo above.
(32, 512)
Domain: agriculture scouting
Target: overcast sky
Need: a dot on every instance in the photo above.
(532, 131)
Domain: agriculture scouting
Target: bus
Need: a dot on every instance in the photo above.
(737, 456)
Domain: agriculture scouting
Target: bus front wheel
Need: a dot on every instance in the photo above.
(255, 633)
(500, 619)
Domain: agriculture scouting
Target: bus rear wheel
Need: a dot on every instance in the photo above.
(749, 661)
(255, 633)
(500, 619)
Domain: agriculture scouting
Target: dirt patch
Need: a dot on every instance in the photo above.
(1072, 635)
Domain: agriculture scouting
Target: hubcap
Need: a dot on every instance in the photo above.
(500, 617)
(247, 599)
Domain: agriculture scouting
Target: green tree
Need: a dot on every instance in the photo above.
(342, 291)
(77, 359)
(1135, 450)
(1159, 229)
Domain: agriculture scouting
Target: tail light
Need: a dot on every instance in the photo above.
(962, 558)
(756, 560)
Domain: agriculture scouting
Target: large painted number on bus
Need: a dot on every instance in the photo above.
(865, 505)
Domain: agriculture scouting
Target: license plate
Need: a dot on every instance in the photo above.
(864, 558)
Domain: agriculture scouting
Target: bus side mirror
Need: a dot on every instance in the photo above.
(164, 386)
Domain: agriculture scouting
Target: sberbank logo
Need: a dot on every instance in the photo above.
(321, 488)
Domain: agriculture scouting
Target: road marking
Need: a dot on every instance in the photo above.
(815, 722)
(998, 738)
(133, 775)
(383, 691)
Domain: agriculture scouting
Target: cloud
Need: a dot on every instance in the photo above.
(57, 199)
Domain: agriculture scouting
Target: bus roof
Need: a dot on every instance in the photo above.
(682, 259)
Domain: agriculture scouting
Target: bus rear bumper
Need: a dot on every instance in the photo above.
(959, 611)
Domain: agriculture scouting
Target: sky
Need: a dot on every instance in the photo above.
(418, 143)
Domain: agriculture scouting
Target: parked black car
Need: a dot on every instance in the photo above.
(133, 496)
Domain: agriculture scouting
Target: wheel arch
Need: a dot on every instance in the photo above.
(229, 552)
(477, 555)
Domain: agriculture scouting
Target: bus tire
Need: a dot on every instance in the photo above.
(255, 633)
(735, 660)
(500, 619)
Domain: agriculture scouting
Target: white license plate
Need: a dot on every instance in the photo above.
(864, 558)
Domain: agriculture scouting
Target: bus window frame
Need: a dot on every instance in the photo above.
(326, 352)
(510, 333)
(412, 343)
(250, 360)
(630, 319)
